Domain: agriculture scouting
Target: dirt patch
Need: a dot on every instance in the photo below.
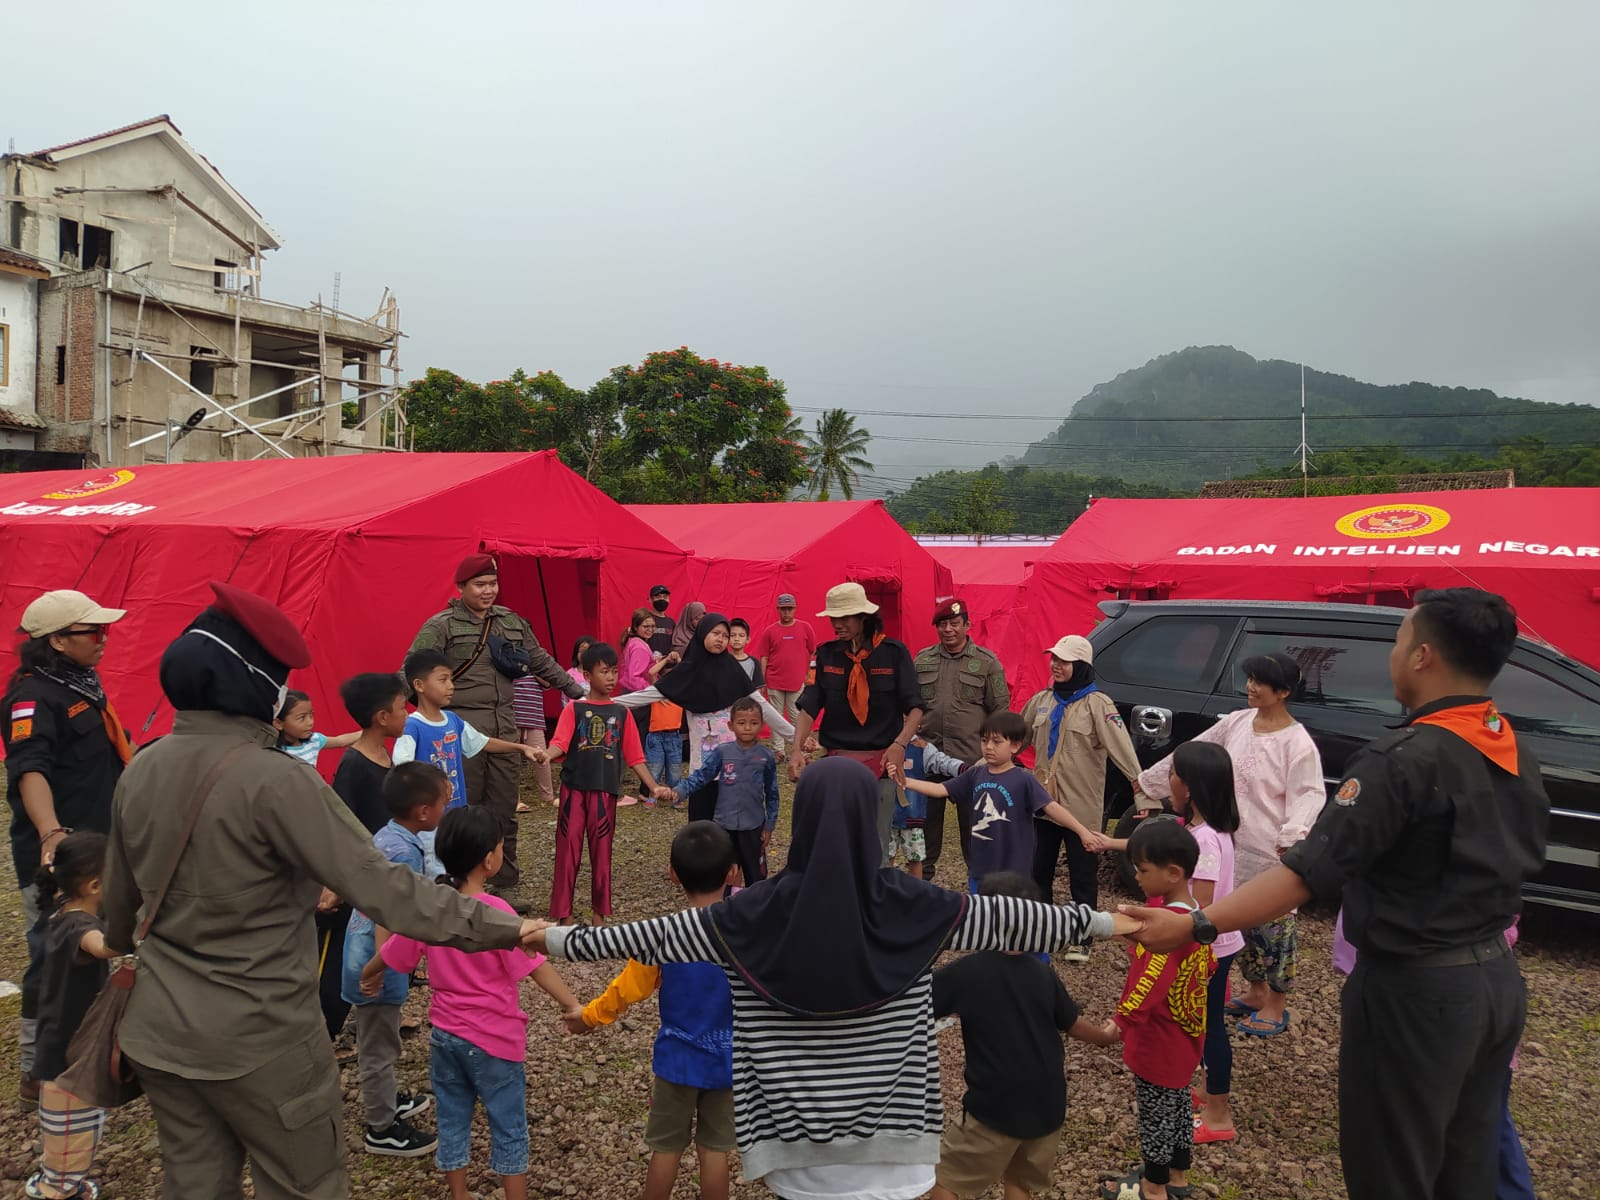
(587, 1097)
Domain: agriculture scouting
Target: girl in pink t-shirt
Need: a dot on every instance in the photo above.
(1202, 790)
(480, 1033)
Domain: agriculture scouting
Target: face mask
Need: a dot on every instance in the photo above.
(659, 604)
(282, 689)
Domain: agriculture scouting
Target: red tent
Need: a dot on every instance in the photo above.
(988, 576)
(746, 555)
(358, 550)
(1539, 547)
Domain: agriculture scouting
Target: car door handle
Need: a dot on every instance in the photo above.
(1152, 722)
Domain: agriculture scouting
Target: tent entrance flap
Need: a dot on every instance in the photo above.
(558, 596)
(885, 593)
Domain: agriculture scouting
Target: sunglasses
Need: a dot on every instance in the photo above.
(97, 632)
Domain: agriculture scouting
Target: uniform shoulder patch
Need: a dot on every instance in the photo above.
(80, 707)
(1113, 717)
(1349, 791)
(21, 729)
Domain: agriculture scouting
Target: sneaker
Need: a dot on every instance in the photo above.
(88, 1189)
(400, 1141)
(407, 1105)
(28, 1094)
(1075, 954)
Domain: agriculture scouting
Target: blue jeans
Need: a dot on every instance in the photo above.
(1514, 1182)
(663, 754)
(462, 1074)
(1218, 1056)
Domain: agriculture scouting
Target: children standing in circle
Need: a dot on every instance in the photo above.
(73, 972)
(739, 780)
(296, 724)
(1202, 790)
(479, 1043)
(1163, 1017)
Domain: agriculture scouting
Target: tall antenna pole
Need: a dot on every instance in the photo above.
(1304, 449)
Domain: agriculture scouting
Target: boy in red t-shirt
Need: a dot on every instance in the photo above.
(1163, 1016)
(597, 737)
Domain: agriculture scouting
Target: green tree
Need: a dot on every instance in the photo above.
(836, 454)
(696, 430)
(447, 412)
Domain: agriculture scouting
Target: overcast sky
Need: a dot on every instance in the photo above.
(912, 207)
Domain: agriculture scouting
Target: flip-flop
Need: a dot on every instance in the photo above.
(1264, 1029)
(522, 808)
(1121, 1187)
(1204, 1134)
(1238, 1008)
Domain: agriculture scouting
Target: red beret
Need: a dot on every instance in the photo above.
(474, 565)
(950, 608)
(265, 622)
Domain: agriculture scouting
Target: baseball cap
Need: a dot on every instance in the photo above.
(660, 589)
(786, 601)
(55, 611)
(1073, 648)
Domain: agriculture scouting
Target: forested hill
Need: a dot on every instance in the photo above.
(1213, 412)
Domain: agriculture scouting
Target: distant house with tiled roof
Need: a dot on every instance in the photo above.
(153, 336)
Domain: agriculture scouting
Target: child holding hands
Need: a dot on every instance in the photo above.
(478, 1046)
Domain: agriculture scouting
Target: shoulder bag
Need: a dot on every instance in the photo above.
(96, 1072)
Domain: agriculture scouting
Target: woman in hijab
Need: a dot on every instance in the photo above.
(836, 1072)
(224, 1028)
(705, 683)
(688, 621)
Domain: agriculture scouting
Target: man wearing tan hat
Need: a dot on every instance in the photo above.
(473, 632)
(962, 683)
(1076, 727)
(65, 750)
(866, 691)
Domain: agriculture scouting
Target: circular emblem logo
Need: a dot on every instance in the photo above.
(92, 487)
(1393, 521)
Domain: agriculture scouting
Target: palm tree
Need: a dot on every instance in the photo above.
(835, 453)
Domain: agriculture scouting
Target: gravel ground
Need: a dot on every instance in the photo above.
(586, 1097)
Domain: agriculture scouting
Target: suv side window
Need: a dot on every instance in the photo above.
(1538, 704)
(1179, 653)
(1341, 672)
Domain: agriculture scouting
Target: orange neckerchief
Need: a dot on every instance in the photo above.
(858, 689)
(1482, 727)
(118, 736)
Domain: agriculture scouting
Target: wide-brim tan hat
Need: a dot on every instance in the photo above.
(55, 611)
(1073, 648)
(848, 600)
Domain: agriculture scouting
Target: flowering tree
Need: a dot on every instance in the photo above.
(696, 430)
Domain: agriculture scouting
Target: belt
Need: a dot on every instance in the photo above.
(1464, 956)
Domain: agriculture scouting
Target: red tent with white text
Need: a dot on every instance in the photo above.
(1539, 547)
(747, 555)
(357, 550)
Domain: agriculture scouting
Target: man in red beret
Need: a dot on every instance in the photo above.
(224, 1027)
(961, 684)
(464, 633)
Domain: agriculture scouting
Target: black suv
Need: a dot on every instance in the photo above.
(1172, 668)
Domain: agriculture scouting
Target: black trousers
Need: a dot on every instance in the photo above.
(1422, 1069)
(933, 832)
(1049, 840)
(747, 853)
(330, 967)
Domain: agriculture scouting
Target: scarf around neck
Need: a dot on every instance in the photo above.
(859, 690)
(85, 682)
(1063, 700)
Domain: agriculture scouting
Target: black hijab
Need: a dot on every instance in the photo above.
(705, 682)
(199, 674)
(834, 934)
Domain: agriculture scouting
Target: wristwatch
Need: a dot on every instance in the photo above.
(1204, 931)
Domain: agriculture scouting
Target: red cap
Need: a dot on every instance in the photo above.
(474, 565)
(265, 622)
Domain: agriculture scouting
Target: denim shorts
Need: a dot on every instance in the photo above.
(463, 1074)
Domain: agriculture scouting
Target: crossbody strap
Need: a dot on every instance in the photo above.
(207, 785)
(477, 651)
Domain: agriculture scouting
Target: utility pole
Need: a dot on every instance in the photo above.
(1304, 449)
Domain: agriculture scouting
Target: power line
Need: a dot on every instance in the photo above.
(1563, 411)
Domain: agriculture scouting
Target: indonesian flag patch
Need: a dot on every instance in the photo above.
(22, 709)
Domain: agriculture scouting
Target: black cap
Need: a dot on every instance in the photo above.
(660, 589)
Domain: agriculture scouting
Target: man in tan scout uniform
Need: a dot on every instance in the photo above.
(962, 683)
(223, 1026)
(463, 633)
(1075, 728)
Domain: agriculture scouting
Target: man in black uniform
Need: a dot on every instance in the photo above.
(1430, 838)
(660, 598)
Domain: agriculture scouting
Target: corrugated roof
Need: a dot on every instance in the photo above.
(163, 119)
(20, 418)
(1444, 481)
(23, 262)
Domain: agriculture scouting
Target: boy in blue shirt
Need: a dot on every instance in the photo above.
(745, 774)
(416, 795)
(693, 1059)
(440, 737)
(907, 838)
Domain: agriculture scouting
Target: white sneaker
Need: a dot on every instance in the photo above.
(1075, 954)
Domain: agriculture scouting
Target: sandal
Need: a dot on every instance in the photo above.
(1128, 1187)
(1204, 1135)
(522, 808)
(1238, 1008)
(1256, 1027)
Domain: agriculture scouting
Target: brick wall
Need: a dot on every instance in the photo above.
(67, 318)
(81, 354)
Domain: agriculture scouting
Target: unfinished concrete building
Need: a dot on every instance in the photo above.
(155, 342)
